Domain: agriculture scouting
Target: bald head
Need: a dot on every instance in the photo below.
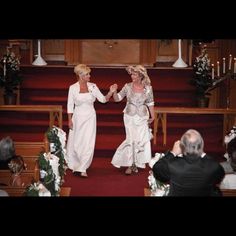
(192, 143)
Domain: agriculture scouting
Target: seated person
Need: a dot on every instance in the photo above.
(188, 170)
(3, 193)
(7, 151)
(229, 181)
(227, 165)
(16, 166)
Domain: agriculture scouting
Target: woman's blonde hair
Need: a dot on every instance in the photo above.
(141, 70)
(82, 70)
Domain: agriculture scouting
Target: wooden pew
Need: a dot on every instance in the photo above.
(225, 192)
(30, 152)
(27, 176)
(228, 192)
(147, 192)
(65, 191)
(31, 149)
(14, 191)
(19, 191)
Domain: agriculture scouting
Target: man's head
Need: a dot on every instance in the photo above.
(192, 143)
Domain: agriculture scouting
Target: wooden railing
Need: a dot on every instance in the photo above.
(161, 115)
(55, 111)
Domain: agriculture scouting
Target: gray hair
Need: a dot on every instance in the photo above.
(7, 149)
(192, 143)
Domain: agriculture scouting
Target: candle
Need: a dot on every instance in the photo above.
(212, 71)
(234, 65)
(218, 69)
(179, 48)
(4, 67)
(223, 65)
(230, 61)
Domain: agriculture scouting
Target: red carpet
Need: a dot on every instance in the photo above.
(106, 180)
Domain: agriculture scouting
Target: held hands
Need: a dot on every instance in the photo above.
(113, 88)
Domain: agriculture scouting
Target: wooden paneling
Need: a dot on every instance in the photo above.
(110, 52)
(73, 52)
(167, 50)
(148, 51)
(53, 50)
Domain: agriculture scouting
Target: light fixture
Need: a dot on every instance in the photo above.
(179, 63)
(39, 61)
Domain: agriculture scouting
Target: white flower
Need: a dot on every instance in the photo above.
(231, 135)
(54, 162)
(43, 192)
(157, 187)
(157, 157)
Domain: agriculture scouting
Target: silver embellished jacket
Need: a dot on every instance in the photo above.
(137, 103)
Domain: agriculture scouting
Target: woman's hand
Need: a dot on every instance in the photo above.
(70, 124)
(113, 88)
(150, 120)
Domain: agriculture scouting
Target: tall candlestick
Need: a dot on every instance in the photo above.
(223, 65)
(234, 65)
(4, 67)
(212, 71)
(230, 61)
(218, 69)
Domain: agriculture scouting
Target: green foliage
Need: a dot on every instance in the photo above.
(202, 74)
(10, 77)
(53, 138)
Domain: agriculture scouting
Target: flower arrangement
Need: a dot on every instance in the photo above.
(202, 74)
(231, 135)
(157, 187)
(57, 140)
(10, 76)
(52, 165)
(37, 190)
(228, 138)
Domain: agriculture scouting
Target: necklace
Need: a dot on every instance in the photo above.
(138, 87)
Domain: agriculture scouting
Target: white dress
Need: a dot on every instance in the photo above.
(136, 148)
(81, 140)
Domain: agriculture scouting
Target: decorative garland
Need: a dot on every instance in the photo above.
(157, 187)
(52, 166)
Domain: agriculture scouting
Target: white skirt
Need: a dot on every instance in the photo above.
(136, 148)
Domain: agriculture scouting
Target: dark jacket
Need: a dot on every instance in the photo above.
(189, 175)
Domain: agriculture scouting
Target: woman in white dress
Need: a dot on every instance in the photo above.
(82, 120)
(135, 150)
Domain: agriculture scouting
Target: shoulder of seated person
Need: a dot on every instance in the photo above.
(170, 153)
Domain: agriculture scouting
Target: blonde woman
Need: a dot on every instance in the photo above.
(135, 150)
(82, 120)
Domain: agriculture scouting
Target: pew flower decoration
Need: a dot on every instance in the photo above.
(57, 140)
(157, 187)
(230, 136)
(37, 190)
(52, 166)
(49, 172)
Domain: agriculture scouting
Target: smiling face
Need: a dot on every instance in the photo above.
(136, 77)
(85, 77)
